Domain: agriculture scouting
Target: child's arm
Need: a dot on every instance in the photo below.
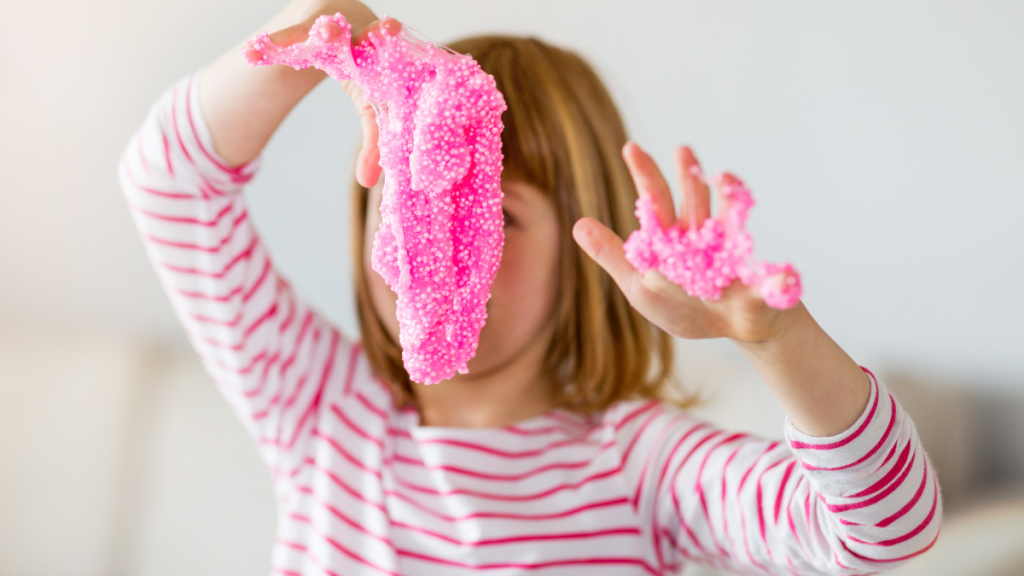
(271, 355)
(243, 105)
(863, 495)
(861, 502)
(821, 388)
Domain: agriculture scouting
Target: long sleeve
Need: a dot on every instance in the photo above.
(860, 502)
(272, 357)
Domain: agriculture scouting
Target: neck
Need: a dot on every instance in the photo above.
(510, 392)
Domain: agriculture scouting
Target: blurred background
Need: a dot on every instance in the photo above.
(884, 142)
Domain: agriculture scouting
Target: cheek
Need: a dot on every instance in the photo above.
(527, 271)
(526, 287)
(522, 296)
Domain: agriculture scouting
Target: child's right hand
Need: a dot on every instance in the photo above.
(363, 21)
(243, 105)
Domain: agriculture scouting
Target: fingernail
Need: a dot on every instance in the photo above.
(697, 172)
(390, 26)
(582, 228)
(330, 31)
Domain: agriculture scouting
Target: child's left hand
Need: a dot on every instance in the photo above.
(740, 314)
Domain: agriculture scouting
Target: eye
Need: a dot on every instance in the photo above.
(507, 217)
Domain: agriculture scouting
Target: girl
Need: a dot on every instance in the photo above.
(556, 454)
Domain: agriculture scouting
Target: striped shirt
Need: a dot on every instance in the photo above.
(362, 488)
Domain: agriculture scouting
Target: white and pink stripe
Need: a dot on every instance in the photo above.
(363, 489)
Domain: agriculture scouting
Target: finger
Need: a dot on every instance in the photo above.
(649, 182)
(386, 25)
(290, 35)
(781, 290)
(696, 201)
(368, 162)
(727, 185)
(605, 248)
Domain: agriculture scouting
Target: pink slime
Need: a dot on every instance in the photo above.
(706, 260)
(440, 240)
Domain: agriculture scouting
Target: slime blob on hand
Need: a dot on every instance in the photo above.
(705, 260)
(441, 235)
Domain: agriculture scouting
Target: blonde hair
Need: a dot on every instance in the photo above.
(563, 135)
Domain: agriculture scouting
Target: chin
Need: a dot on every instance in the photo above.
(496, 353)
(490, 355)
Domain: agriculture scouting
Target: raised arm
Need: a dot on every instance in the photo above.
(857, 496)
(243, 105)
(183, 174)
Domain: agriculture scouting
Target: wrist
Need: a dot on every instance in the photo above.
(819, 386)
(791, 326)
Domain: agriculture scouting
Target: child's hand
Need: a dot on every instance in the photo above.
(818, 384)
(363, 21)
(740, 314)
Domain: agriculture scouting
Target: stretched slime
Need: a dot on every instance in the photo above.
(441, 235)
(705, 260)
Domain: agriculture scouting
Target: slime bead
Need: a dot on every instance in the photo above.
(705, 260)
(441, 234)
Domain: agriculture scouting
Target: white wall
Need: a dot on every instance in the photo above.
(67, 417)
(883, 141)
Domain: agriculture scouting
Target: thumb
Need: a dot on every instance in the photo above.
(605, 247)
(368, 162)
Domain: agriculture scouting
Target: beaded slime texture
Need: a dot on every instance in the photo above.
(440, 239)
(705, 260)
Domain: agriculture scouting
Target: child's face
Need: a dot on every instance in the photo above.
(521, 311)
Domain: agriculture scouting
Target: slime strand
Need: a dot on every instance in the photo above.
(441, 234)
(704, 260)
